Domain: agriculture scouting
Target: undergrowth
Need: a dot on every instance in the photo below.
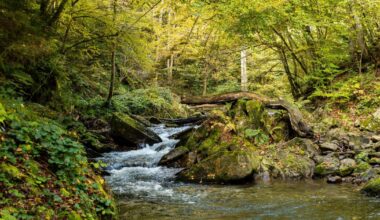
(44, 171)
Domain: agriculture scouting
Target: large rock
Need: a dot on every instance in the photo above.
(328, 146)
(129, 130)
(372, 187)
(291, 160)
(247, 139)
(328, 166)
(224, 167)
(175, 158)
(347, 166)
(372, 123)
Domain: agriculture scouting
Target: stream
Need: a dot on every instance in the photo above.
(147, 191)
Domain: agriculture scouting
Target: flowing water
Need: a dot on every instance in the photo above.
(147, 191)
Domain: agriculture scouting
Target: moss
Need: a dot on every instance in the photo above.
(289, 162)
(345, 171)
(129, 130)
(11, 170)
(374, 160)
(362, 157)
(255, 111)
(371, 124)
(372, 187)
(330, 166)
(362, 167)
(223, 167)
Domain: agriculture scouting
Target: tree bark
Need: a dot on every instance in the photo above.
(112, 80)
(295, 116)
(58, 12)
(43, 7)
(293, 85)
(205, 82)
(244, 78)
(170, 63)
(218, 99)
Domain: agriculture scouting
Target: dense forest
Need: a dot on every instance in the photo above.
(224, 92)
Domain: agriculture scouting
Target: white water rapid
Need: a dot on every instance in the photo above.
(135, 174)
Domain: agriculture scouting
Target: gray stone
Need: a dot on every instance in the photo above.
(334, 179)
(173, 155)
(328, 146)
(130, 130)
(376, 115)
(376, 138)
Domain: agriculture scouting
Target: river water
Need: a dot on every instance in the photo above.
(147, 191)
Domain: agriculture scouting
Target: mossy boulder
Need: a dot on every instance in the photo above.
(347, 166)
(247, 139)
(175, 158)
(372, 187)
(328, 166)
(252, 114)
(290, 160)
(374, 161)
(362, 167)
(224, 167)
(129, 130)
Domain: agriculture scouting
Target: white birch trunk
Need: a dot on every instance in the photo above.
(244, 77)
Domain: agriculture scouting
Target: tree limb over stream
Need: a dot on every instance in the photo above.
(297, 121)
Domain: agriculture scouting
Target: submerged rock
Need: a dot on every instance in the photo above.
(129, 130)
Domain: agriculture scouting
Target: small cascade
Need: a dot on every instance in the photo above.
(136, 174)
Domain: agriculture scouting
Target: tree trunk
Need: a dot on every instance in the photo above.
(244, 78)
(293, 85)
(170, 63)
(43, 7)
(112, 80)
(217, 99)
(57, 13)
(205, 82)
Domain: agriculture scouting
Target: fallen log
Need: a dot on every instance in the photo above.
(296, 118)
(178, 121)
(183, 121)
(219, 99)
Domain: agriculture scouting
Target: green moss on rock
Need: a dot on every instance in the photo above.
(362, 167)
(329, 166)
(130, 130)
(372, 187)
(224, 167)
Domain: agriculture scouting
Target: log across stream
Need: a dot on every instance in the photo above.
(148, 191)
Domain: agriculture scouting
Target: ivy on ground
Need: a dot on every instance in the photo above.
(44, 172)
